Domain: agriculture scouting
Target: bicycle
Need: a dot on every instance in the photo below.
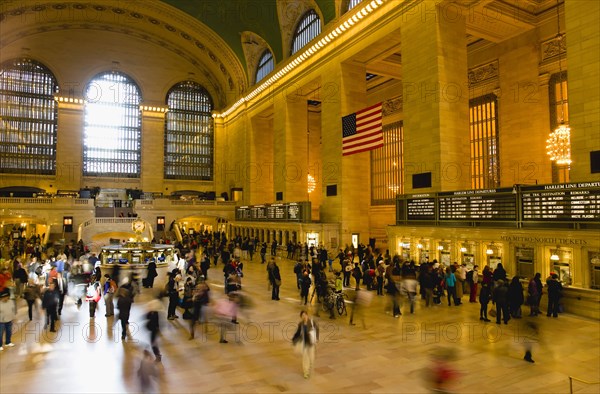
(335, 300)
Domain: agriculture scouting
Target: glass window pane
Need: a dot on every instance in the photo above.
(189, 133)
(387, 166)
(308, 28)
(28, 118)
(485, 170)
(112, 127)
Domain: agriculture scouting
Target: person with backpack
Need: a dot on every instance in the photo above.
(110, 288)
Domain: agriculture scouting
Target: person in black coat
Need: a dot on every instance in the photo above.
(500, 298)
(50, 304)
(499, 273)
(554, 293)
(484, 299)
(152, 273)
(515, 297)
(275, 278)
(124, 301)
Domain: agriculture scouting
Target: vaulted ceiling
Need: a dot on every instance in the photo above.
(229, 18)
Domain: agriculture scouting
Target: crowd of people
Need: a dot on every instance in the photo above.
(45, 278)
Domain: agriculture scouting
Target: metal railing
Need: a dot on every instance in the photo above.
(571, 379)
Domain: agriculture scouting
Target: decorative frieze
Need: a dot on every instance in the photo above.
(483, 73)
(553, 47)
(392, 105)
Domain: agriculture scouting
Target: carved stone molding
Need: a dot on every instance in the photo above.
(391, 106)
(254, 46)
(553, 47)
(483, 73)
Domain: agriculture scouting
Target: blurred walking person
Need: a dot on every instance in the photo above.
(148, 373)
(307, 337)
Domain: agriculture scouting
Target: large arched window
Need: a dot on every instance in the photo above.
(113, 127)
(265, 65)
(308, 28)
(28, 118)
(189, 133)
(352, 4)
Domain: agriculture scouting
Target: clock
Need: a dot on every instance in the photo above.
(138, 226)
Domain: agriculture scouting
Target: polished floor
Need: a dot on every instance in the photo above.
(385, 355)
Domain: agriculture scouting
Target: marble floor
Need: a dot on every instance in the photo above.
(387, 355)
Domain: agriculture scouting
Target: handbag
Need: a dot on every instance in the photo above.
(313, 334)
(492, 312)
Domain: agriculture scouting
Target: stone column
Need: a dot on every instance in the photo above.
(153, 150)
(346, 87)
(69, 147)
(435, 97)
(290, 147)
(583, 57)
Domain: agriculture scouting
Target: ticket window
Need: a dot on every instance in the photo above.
(594, 259)
(469, 260)
(560, 260)
(524, 259)
(493, 261)
(563, 270)
(424, 256)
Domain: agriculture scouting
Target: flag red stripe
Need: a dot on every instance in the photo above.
(354, 138)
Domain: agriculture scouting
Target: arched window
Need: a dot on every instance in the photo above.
(189, 133)
(265, 65)
(308, 28)
(28, 118)
(352, 4)
(113, 127)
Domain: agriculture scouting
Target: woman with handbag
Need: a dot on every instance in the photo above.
(305, 339)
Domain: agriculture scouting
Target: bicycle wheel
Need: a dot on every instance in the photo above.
(327, 304)
(341, 306)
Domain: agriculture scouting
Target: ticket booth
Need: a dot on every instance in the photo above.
(524, 257)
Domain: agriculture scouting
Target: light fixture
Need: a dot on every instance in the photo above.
(558, 144)
(420, 245)
(312, 183)
(441, 247)
(490, 249)
(463, 250)
(554, 256)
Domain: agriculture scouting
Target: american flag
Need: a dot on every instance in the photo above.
(362, 131)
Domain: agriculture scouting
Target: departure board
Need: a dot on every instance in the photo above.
(561, 202)
(475, 205)
(420, 207)
(292, 212)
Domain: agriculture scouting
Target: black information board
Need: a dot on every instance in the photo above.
(561, 202)
(564, 202)
(420, 207)
(475, 205)
(292, 212)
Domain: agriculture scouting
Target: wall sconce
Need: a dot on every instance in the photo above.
(463, 250)
(441, 247)
(420, 245)
(554, 256)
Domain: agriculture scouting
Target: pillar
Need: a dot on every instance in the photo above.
(153, 154)
(69, 147)
(583, 73)
(290, 147)
(435, 96)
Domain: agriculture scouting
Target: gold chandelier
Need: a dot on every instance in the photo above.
(312, 183)
(558, 144)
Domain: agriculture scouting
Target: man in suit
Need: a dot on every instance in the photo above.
(63, 289)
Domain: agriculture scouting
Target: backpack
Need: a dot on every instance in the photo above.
(470, 276)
